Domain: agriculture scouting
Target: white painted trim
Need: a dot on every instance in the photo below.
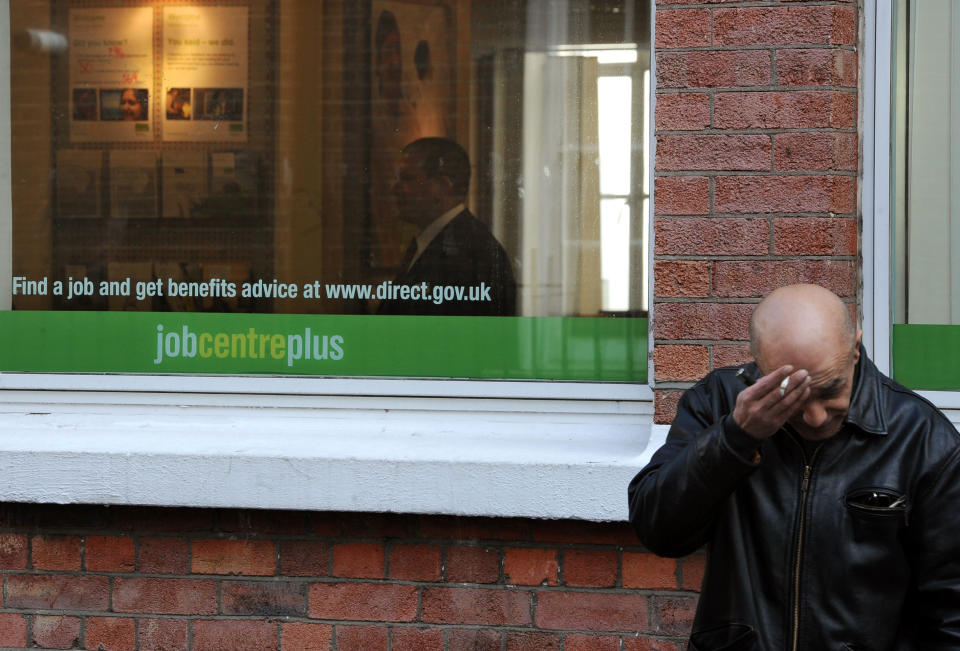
(954, 416)
(402, 456)
(117, 402)
(658, 436)
(876, 74)
(495, 448)
(392, 451)
(943, 399)
(651, 202)
(271, 386)
(875, 186)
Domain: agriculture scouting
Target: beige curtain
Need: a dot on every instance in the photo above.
(929, 231)
(560, 249)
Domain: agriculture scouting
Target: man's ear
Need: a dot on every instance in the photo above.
(856, 349)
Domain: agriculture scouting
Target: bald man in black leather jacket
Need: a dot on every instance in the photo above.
(826, 494)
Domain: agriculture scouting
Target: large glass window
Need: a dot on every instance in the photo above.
(926, 193)
(421, 188)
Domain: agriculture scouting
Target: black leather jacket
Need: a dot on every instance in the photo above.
(857, 547)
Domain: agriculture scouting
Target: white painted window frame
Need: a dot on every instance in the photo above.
(484, 448)
(875, 201)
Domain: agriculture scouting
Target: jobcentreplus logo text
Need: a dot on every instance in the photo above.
(302, 346)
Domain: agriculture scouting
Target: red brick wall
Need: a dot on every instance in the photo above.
(139, 578)
(755, 177)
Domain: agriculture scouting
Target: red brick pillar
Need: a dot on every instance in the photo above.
(756, 171)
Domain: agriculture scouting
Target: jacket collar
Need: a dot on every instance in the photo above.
(866, 399)
(430, 233)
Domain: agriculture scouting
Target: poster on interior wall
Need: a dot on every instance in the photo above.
(413, 78)
(133, 184)
(234, 179)
(77, 178)
(183, 179)
(111, 74)
(205, 61)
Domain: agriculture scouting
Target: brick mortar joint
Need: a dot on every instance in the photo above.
(714, 174)
(385, 540)
(769, 88)
(743, 4)
(713, 131)
(758, 88)
(285, 619)
(700, 342)
(775, 174)
(773, 48)
(309, 581)
(679, 257)
(806, 218)
(712, 300)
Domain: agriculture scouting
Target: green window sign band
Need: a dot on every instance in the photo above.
(539, 348)
(927, 356)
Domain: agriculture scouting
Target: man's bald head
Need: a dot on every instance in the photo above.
(793, 320)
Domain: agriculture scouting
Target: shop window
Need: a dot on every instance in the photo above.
(223, 188)
(926, 194)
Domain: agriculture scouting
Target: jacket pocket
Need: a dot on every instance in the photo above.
(728, 637)
(878, 505)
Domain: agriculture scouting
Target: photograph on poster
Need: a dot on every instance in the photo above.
(179, 106)
(220, 104)
(85, 104)
(127, 104)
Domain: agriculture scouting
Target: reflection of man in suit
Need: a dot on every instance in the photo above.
(453, 248)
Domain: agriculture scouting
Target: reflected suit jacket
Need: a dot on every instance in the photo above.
(853, 547)
(464, 254)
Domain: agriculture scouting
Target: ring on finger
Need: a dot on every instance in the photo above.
(783, 385)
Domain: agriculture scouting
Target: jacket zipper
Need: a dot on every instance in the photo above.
(807, 470)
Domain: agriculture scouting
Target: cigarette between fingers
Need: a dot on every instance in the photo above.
(783, 385)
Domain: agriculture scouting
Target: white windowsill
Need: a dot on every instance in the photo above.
(544, 458)
(947, 401)
(326, 386)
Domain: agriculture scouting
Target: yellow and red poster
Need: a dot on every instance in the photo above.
(205, 54)
(111, 74)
